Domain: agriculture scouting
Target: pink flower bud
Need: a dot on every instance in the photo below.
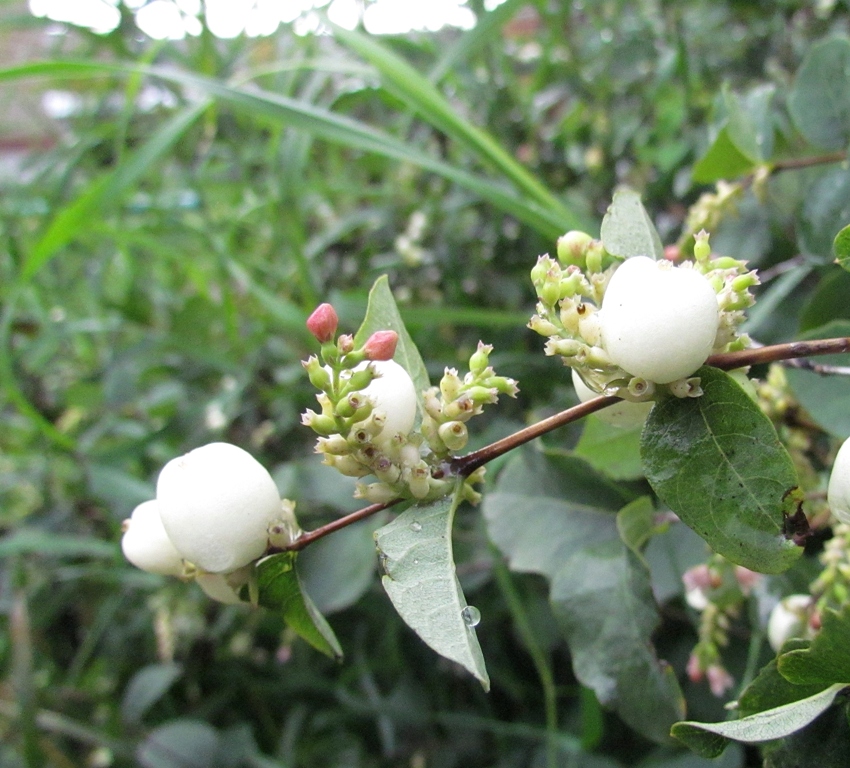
(323, 322)
(694, 669)
(719, 680)
(381, 345)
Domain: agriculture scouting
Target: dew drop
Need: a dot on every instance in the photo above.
(471, 616)
(415, 561)
(416, 526)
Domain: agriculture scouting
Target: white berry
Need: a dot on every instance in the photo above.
(658, 321)
(623, 414)
(838, 491)
(146, 544)
(393, 393)
(217, 503)
(789, 618)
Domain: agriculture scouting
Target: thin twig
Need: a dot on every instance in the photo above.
(819, 368)
(463, 466)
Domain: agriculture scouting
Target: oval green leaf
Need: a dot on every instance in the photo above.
(627, 229)
(280, 589)
(416, 555)
(717, 462)
(841, 247)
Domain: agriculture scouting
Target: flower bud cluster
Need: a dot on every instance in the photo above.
(368, 411)
(449, 407)
(217, 510)
(636, 327)
(718, 590)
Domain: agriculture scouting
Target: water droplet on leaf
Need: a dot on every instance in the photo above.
(416, 526)
(471, 616)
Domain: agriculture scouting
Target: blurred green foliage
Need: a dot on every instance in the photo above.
(159, 257)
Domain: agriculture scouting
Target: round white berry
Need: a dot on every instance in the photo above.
(658, 321)
(838, 491)
(217, 503)
(393, 393)
(146, 544)
(789, 618)
(623, 414)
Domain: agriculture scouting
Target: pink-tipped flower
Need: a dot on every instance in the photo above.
(719, 680)
(381, 345)
(323, 323)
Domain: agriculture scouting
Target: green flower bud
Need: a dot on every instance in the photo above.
(450, 384)
(320, 424)
(702, 250)
(454, 434)
(572, 247)
(481, 358)
(319, 376)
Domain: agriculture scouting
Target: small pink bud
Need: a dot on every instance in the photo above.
(323, 322)
(719, 680)
(381, 345)
(694, 669)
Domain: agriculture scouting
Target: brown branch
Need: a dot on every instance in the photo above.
(795, 163)
(728, 361)
(463, 466)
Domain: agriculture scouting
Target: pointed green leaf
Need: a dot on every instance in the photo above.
(710, 739)
(841, 247)
(819, 101)
(636, 525)
(280, 589)
(723, 160)
(603, 601)
(627, 229)
(827, 659)
(382, 315)
(717, 462)
(416, 555)
(546, 507)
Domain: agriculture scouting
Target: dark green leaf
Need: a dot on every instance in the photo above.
(710, 739)
(841, 247)
(637, 525)
(749, 122)
(416, 555)
(825, 397)
(34, 541)
(545, 508)
(627, 229)
(825, 743)
(280, 590)
(827, 659)
(830, 301)
(382, 315)
(819, 102)
(716, 461)
(602, 599)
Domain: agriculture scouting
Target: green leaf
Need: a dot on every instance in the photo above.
(841, 247)
(281, 590)
(627, 229)
(749, 121)
(717, 462)
(827, 659)
(416, 555)
(612, 450)
(636, 525)
(51, 544)
(825, 212)
(337, 570)
(183, 743)
(723, 160)
(828, 302)
(602, 599)
(824, 743)
(819, 101)
(770, 689)
(147, 687)
(544, 508)
(825, 397)
(710, 739)
(382, 315)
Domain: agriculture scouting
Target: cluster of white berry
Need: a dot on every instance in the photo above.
(216, 512)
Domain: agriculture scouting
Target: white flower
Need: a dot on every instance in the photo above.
(623, 414)
(146, 544)
(393, 394)
(217, 503)
(658, 321)
(838, 492)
